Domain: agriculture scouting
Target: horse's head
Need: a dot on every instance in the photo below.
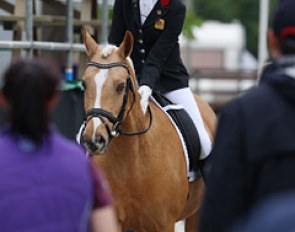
(109, 82)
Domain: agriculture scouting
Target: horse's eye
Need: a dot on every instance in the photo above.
(120, 87)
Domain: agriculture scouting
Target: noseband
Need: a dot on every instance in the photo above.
(103, 114)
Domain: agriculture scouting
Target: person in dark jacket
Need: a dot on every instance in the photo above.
(253, 156)
(156, 26)
(47, 183)
(274, 214)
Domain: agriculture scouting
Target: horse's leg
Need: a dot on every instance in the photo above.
(120, 228)
(191, 212)
(192, 223)
(170, 227)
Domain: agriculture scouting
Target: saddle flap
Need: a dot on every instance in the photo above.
(186, 127)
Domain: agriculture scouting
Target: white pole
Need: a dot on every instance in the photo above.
(49, 46)
(104, 26)
(29, 25)
(263, 26)
(69, 38)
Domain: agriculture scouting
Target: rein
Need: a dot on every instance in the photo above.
(116, 121)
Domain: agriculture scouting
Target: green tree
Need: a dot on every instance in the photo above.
(191, 20)
(246, 11)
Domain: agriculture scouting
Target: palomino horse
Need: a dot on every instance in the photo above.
(141, 154)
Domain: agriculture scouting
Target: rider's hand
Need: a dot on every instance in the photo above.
(145, 92)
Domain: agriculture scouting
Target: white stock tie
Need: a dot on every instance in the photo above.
(146, 7)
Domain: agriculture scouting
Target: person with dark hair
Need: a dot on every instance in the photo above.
(253, 156)
(47, 183)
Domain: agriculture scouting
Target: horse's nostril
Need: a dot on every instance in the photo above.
(99, 139)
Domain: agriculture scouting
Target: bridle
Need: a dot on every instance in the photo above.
(115, 130)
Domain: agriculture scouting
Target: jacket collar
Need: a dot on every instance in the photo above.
(160, 8)
(136, 12)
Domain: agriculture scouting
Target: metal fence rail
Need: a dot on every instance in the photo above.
(52, 46)
(68, 46)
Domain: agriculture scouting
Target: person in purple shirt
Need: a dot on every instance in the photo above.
(46, 182)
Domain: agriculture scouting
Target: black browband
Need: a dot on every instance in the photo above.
(116, 121)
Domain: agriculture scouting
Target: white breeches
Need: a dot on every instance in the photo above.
(186, 98)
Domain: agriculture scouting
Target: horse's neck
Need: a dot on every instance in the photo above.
(125, 153)
(130, 156)
(134, 122)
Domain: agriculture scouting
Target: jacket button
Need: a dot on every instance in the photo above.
(142, 61)
(140, 31)
(140, 41)
(142, 50)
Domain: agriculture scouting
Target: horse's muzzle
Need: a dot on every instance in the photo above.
(99, 145)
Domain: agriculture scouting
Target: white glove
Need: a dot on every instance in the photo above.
(145, 92)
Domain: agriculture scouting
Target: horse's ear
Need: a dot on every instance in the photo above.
(90, 44)
(126, 46)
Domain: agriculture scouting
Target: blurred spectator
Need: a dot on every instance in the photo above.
(254, 151)
(272, 215)
(46, 182)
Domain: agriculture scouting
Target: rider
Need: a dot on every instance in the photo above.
(156, 26)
